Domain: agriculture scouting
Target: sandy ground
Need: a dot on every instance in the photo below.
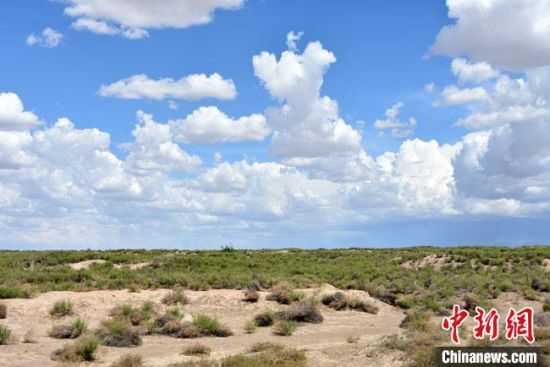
(325, 343)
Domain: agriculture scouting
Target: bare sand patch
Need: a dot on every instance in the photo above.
(88, 263)
(325, 343)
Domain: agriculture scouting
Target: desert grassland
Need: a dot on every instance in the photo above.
(407, 291)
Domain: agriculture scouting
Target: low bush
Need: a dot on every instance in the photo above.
(196, 349)
(210, 326)
(129, 360)
(4, 334)
(81, 351)
(62, 308)
(3, 311)
(251, 296)
(117, 333)
(415, 320)
(340, 301)
(279, 295)
(175, 297)
(266, 318)
(72, 331)
(302, 311)
(285, 327)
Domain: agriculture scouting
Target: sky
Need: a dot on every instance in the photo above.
(274, 123)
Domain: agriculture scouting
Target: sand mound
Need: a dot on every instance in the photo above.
(325, 342)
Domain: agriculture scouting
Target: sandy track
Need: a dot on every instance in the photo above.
(326, 343)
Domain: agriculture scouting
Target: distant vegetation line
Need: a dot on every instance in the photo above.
(424, 276)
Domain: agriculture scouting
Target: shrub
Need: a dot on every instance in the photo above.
(285, 327)
(294, 295)
(405, 302)
(128, 360)
(415, 320)
(303, 311)
(117, 333)
(254, 286)
(337, 301)
(210, 326)
(545, 306)
(177, 313)
(62, 308)
(251, 296)
(196, 350)
(175, 297)
(268, 355)
(12, 292)
(81, 351)
(72, 331)
(266, 318)
(279, 295)
(4, 334)
(250, 327)
(3, 311)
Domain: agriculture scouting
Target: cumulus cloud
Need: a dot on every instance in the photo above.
(210, 125)
(467, 71)
(452, 95)
(12, 113)
(191, 87)
(49, 38)
(512, 35)
(306, 124)
(398, 129)
(132, 18)
(291, 40)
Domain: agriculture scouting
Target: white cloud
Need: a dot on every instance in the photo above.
(429, 88)
(472, 72)
(12, 114)
(452, 95)
(508, 34)
(154, 149)
(210, 125)
(398, 129)
(132, 18)
(49, 38)
(191, 87)
(291, 40)
(307, 125)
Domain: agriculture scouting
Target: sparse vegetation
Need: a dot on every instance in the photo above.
(251, 296)
(72, 331)
(302, 311)
(340, 301)
(118, 333)
(3, 311)
(129, 360)
(81, 351)
(210, 326)
(62, 308)
(5, 333)
(250, 327)
(266, 318)
(285, 327)
(175, 297)
(197, 349)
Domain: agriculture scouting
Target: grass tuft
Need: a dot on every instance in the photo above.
(62, 308)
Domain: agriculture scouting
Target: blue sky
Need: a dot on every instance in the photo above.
(428, 127)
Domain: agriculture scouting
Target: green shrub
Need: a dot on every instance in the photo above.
(11, 292)
(117, 333)
(82, 351)
(72, 331)
(405, 302)
(210, 326)
(62, 308)
(4, 334)
(266, 318)
(285, 327)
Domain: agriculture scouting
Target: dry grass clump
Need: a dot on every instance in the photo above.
(175, 297)
(4, 334)
(72, 331)
(129, 360)
(3, 311)
(81, 351)
(284, 295)
(285, 327)
(302, 311)
(197, 349)
(202, 325)
(340, 301)
(62, 308)
(117, 333)
(251, 296)
(266, 318)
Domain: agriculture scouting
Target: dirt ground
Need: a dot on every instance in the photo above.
(325, 343)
